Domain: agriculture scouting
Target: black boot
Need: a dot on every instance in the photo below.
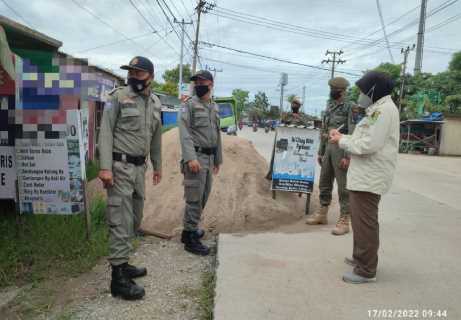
(133, 272)
(193, 245)
(199, 233)
(124, 287)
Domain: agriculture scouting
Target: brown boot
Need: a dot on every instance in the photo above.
(319, 217)
(342, 226)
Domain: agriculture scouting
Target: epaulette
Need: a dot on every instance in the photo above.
(115, 90)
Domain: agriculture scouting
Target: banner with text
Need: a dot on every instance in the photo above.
(7, 173)
(295, 155)
(51, 172)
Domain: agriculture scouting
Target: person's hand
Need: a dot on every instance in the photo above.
(106, 178)
(156, 177)
(194, 166)
(216, 170)
(344, 163)
(335, 136)
(319, 159)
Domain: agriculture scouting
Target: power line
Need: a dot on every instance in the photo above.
(270, 58)
(114, 43)
(444, 23)
(16, 13)
(94, 15)
(150, 25)
(383, 27)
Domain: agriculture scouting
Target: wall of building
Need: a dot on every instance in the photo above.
(450, 144)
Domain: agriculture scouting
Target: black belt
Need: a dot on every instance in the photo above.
(136, 160)
(207, 151)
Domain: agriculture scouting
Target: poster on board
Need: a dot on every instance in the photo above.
(295, 156)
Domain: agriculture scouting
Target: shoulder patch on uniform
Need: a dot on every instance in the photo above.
(374, 117)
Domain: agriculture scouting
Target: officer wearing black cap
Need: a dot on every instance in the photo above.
(130, 132)
(200, 139)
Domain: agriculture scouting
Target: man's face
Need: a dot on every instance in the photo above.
(139, 74)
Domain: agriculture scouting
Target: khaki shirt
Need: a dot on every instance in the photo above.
(336, 115)
(199, 127)
(374, 148)
(297, 119)
(131, 124)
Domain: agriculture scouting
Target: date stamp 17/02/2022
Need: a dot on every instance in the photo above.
(407, 314)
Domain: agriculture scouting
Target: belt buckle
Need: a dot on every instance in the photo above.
(124, 158)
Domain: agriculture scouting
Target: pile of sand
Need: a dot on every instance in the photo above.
(241, 199)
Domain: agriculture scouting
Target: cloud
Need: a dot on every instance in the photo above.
(78, 30)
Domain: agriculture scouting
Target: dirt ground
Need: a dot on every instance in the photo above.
(241, 200)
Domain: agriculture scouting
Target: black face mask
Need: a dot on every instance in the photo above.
(201, 90)
(138, 85)
(335, 94)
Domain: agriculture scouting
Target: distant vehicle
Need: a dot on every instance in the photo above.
(227, 111)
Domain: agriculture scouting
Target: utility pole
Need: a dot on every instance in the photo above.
(182, 23)
(420, 43)
(304, 99)
(202, 7)
(214, 70)
(336, 60)
(403, 73)
(283, 83)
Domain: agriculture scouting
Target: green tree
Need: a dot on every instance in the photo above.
(167, 87)
(455, 63)
(241, 98)
(261, 102)
(391, 69)
(453, 103)
(172, 75)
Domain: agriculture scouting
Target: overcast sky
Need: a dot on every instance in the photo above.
(345, 21)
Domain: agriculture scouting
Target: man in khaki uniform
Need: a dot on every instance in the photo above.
(334, 161)
(130, 131)
(201, 147)
(295, 117)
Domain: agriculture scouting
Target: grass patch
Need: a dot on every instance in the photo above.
(36, 247)
(92, 169)
(206, 295)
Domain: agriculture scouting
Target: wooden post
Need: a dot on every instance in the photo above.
(308, 203)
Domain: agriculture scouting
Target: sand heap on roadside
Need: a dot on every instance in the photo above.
(241, 199)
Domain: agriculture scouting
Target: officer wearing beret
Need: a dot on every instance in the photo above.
(295, 117)
(334, 161)
(131, 131)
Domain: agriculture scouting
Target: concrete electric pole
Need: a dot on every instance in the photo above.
(403, 73)
(336, 60)
(420, 43)
(182, 23)
(202, 7)
(283, 83)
